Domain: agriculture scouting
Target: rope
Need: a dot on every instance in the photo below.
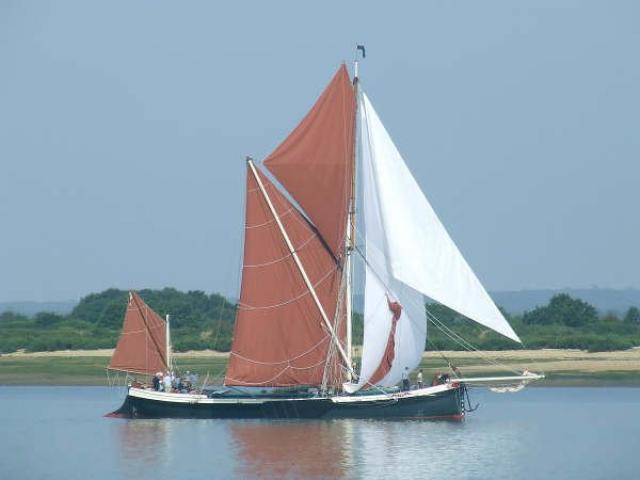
(257, 362)
(271, 262)
(267, 382)
(219, 322)
(465, 344)
(291, 300)
(273, 220)
(434, 320)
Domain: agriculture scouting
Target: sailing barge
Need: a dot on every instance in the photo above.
(291, 355)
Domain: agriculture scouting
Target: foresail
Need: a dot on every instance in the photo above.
(314, 163)
(142, 346)
(279, 338)
(395, 327)
(421, 253)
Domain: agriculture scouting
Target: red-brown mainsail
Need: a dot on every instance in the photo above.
(142, 346)
(315, 161)
(279, 337)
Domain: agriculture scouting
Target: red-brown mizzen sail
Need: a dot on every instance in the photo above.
(279, 337)
(142, 346)
(315, 161)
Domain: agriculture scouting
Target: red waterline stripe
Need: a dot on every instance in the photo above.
(456, 418)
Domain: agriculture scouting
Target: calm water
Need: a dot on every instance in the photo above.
(572, 433)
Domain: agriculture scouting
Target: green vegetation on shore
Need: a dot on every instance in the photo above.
(565, 322)
(90, 370)
(201, 321)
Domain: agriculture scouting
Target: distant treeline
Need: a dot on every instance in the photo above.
(201, 321)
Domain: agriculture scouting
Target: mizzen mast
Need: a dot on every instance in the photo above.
(167, 320)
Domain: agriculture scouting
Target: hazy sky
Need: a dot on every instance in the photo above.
(124, 126)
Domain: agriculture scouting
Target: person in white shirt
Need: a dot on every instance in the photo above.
(406, 385)
(167, 382)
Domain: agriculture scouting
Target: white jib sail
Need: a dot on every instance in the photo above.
(421, 254)
(380, 288)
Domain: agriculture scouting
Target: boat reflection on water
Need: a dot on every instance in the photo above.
(174, 448)
(146, 441)
(313, 449)
(292, 449)
(353, 448)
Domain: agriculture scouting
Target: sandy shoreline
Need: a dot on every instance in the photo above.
(544, 360)
(107, 352)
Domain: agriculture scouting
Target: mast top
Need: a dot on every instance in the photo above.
(359, 48)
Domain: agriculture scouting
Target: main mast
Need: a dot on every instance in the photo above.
(351, 219)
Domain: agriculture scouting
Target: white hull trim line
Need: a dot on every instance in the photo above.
(190, 399)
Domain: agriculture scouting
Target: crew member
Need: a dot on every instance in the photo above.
(156, 381)
(406, 385)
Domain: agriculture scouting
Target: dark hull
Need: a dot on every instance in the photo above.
(446, 404)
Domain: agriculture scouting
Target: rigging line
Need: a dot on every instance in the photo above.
(460, 340)
(243, 306)
(271, 262)
(142, 330)
(301, 216)
(144, 318)
(435, 349)
(134, 331)
(269, 222)
(386, 285)
(531, 359)
(372, 385)
(316, 365)
(536, 364)
(469, 347)
(446, 359)
(266, 382)
(450, 333)
(466, 345)
(330, 360)
(288, 360)
(223, 301)
(241, 235)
